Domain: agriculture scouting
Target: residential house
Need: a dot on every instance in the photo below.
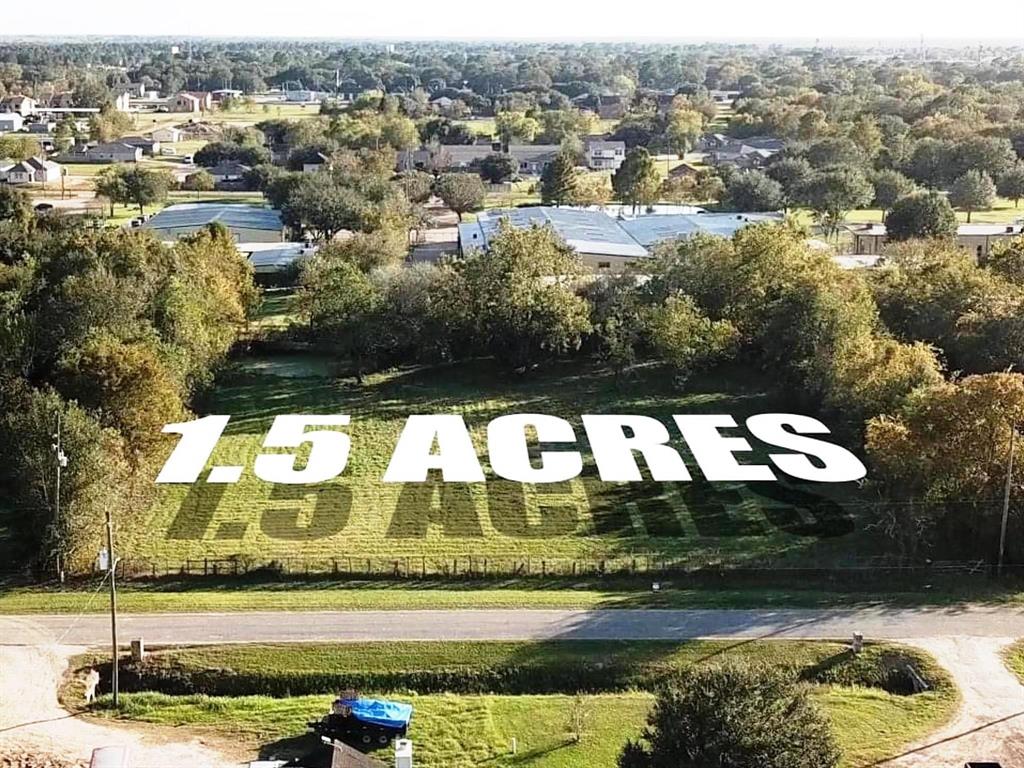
(184, 102)
(23, 105)
(11, 122)
(445, 157)
(147, 144)
(167, 135)
(751, 152)
(43, 127)
(34, 170)
(683, 169)
(205, 100)
(604, 155)
(871, 239)
(225, 93)
(723, 97)
(612, 107)
(6, 164)
(322, 162)
(228, 171)
(62, 100)
(110, 152)
(123, 102)
(533, 158)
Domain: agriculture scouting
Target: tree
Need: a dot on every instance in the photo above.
(321, 205)
(688, 340)
(682, 130)
(1011, 184)
(973, 191)
(832, 193)
(498, 167)
(517, 301)
(515, 126)
(948, 449)
(792, 173)
(132, 184)
(734, 715)
(991, 155)
(341, 306)
(591, 189)
(200, 181)
(461, 192)
(930, 162)
(753, 191)
(889, 186)
(15, 205)
(417, 185)
(637, 181)
(921, 215)
(558, 182)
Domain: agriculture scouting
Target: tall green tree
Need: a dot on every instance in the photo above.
(637, 181)
(972, 192)
(559, 180)
(1011, 184)
(734, 715)
(461, 192)
(921, 215)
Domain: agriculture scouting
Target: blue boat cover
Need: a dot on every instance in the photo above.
(388, 714)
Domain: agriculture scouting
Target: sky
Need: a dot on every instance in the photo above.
(998, 21)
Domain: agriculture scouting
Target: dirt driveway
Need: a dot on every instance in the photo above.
(33, 722)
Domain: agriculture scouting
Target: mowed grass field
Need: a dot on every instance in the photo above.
(453, 730)
(433, 526)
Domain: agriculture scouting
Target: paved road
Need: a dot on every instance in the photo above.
(877, 623)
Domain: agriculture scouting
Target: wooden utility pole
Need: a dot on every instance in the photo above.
(1006, 502)
(112, 562)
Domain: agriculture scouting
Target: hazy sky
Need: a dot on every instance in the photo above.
(995, 20)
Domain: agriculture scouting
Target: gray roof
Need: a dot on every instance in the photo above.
(597, 233)
(533, 153)
(197, 215)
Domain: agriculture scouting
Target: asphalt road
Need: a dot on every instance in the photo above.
(874, 623)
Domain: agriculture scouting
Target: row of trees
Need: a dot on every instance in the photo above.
(112, 333)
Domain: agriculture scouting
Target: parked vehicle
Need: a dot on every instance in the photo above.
(364, 723)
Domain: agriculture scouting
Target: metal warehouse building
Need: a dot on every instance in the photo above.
(248, 223)
(603, 241)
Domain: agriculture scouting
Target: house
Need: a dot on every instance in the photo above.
(184, 102)
(110, 152)
(62, 100)
(225, 93)
(611, 107)
(227, 171)
(604, 241)
(683, 169)
(322, 162)
(871, 239)
(205, 99)
(604, 155)
(723, 97)
(247, 223)
(6, 164)
(42, 127)
(11, 122)
(751, 152)
(23, 105)
(445, 157)
(167, 135)
(533, 158)
(123, 102)
(147, 144)
(34, 170)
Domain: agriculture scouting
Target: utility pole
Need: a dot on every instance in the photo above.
(58, 524)
(1006, 501)
(112, 561)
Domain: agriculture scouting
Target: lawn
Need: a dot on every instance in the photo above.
(469, 729)
(492, 527)
(1014, 658)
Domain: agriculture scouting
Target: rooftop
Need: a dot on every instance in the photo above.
(601, 234)
(196, 215)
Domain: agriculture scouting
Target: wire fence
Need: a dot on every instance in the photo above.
(497, 567)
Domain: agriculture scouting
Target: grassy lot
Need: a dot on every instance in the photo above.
(229, 595)
(454, 730)
(358, 516)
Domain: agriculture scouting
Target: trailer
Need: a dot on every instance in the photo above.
(364, 723)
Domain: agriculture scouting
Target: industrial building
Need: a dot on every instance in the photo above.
(604, 241)
(247, 223)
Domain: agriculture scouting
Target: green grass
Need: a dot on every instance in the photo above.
(450, 731)
(228, 595)
(357, 516)
(468, 730)
(1014, 658)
